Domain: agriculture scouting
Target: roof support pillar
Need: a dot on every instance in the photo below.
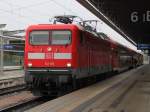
(1, 54)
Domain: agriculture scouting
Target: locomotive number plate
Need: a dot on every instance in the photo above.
(49, 56)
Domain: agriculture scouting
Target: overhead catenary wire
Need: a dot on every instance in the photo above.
(60, 5)
(12, 11)
(25, 8)
(19, 15)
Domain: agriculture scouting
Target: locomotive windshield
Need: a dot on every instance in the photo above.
(39, 38)
(50, 37)
(61, 37)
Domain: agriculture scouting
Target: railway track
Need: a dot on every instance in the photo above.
(11, 82)
(20, 102)
(17, 98)
(23, 101)
(10, 90)
(20, 106)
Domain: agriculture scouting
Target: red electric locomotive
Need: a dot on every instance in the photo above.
(60, 54)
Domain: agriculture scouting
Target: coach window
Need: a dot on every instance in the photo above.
(61, 37)
(39, 38)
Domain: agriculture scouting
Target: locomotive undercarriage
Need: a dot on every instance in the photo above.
(49, 84)
(58, 85)
(54, 84)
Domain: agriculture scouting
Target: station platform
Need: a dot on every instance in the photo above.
(12, 74)
(11, 78)
(126, 92)
(11, 68)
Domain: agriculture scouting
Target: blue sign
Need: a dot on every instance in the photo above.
(8, 46)
(143, 46)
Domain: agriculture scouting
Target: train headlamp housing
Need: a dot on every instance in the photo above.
(29, 64)
(68, 64)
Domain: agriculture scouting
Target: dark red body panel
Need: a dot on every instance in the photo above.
(90, 54)
(50, 67)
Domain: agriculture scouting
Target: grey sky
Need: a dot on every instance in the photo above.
(18, 14)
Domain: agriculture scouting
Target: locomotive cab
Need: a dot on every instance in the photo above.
(50, 54)
(51, 49)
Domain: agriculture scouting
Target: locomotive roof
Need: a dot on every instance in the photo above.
(72, 26)
(68, 16)
(55, 26)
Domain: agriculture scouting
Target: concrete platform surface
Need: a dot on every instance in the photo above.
(12, 74)
(111, 95)
(6, 68)
(135, 98)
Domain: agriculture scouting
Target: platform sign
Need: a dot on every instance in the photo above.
(143, 46)
(7, 46)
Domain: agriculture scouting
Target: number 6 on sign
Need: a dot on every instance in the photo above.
(134, 17)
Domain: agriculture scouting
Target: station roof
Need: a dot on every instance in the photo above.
(131, 16)
(14, 34)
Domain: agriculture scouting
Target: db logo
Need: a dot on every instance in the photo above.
(48, 55)
(49, 49)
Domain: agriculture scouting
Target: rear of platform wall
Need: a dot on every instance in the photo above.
(146, 59)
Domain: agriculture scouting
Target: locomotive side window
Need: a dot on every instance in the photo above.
(61, 37)
(39, 38)
(81, 37)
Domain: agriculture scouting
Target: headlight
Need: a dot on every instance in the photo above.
(68, 64)
(29, 64)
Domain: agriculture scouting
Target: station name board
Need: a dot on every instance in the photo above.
(143, 46)
(12, 47)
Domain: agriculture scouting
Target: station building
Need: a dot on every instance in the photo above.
(13, 51)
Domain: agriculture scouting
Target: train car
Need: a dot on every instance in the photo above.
(124, 58)
(60, 54)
